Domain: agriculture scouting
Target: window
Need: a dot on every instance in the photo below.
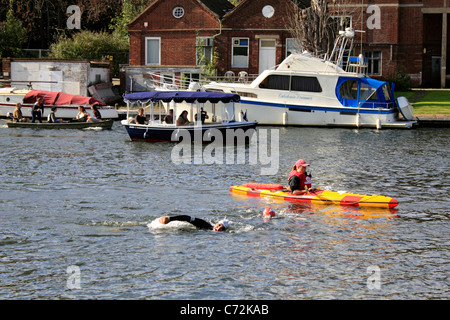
(367, 93)
(291, 46)
(339, 23)
(288, 83)
(204, 50)
(188, 78)
(349, 89)
(276, 82)
(374, 62)
(239, 57)
(308, 84)
(153, 51)
(178, 12)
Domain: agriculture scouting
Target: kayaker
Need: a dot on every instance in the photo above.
(199, 223)
(299, 180)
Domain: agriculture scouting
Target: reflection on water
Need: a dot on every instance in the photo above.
(85, 198)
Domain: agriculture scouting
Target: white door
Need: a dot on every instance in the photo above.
(267, 53)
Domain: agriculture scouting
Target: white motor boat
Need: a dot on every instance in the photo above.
(305, 90)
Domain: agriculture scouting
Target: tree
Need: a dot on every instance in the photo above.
(130, 10)
(316, 27)
(12, 34)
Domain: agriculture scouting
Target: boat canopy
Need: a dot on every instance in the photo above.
(59, 98)
(364, 92)
(180, 96)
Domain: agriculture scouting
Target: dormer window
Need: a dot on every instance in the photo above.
(178, 12)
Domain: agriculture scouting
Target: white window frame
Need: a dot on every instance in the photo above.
(201, 43)
(146, 50)
(291, 43)
(371, 61)
(233, 65)
(178, 12)
(340, 19)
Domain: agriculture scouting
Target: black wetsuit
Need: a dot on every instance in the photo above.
(199, 223)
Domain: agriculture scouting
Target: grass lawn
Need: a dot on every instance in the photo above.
(428, 101)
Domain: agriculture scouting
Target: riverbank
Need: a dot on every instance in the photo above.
(431, 106)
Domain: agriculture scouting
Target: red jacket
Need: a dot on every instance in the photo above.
(305, 180)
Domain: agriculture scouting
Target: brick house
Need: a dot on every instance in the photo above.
(168, 36)
(174, 38)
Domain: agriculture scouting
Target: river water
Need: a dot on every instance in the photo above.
(75, 206)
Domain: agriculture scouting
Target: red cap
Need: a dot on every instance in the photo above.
(269, 212)
(301, 163)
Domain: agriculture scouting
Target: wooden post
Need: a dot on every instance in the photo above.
(444, 47)
(444, 50)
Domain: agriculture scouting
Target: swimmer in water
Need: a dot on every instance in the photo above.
(199, 223)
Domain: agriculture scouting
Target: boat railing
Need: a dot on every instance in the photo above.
(375, 104)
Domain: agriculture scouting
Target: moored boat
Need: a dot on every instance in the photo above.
(222, 127)
(305, 90)
(67, 104)
(103, 124)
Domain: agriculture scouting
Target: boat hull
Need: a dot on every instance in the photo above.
(105, 124)
(272, 113)
(207, 133)
(63, 112)
(323, 197)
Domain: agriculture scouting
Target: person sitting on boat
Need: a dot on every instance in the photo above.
(82, 114)
(96, 116)
(51, 118)
(38, 110)
(17, 114)
(299, 180)
(183, 119)
(140, 118)
(203, 115)
(169, 118)
(199, 223)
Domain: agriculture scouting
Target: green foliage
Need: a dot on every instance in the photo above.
(401, 79)
(12, 35)
(92, 45)
(130, 10)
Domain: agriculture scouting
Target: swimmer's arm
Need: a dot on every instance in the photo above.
(166, 219)
(199, 223)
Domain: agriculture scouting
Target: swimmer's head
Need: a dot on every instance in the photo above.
(221, 226)
(268, 212)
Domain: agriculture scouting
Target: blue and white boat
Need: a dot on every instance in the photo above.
(305, 90)
(219, 126)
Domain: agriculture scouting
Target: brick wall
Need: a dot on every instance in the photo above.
(6, 71)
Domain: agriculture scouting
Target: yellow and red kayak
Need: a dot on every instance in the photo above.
(317, 196)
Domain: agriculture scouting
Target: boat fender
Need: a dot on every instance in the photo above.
(285, 118)
(378, 124)
(146, 135)
(177, 135)
(358, 120)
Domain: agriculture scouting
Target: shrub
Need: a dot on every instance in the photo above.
(92, 45)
